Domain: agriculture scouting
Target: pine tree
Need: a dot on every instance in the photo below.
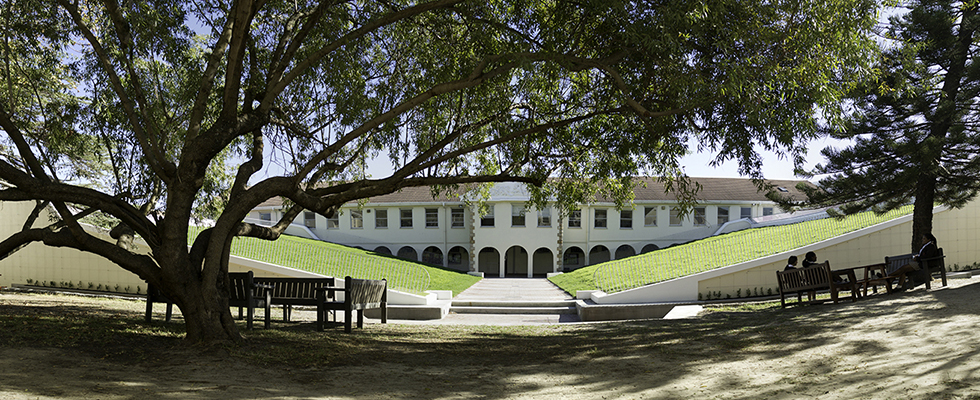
(915, 129)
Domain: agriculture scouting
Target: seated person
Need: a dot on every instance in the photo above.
(928, 250)
(791, 264)
(809, 259)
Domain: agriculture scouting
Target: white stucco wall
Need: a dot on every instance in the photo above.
(957, 231)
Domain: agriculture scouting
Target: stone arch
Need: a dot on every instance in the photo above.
(599, 254)
(542, 262)
(408, 253)
(573, 258)
(432, 255)
(625, 251)
(459, 259)
(488, 261)
(650, 247)
(382, 250)
(515, 261)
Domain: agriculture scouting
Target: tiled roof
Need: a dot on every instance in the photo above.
(712, 189)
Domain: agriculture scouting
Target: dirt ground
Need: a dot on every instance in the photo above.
(919, 344)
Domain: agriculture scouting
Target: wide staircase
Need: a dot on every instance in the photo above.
(513, 296)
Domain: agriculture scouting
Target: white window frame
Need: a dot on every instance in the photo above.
(625, 219)
(647, 212)
(380, 218)
(675, 216)
(406, 221)
(700, 216)
(431, 217)
(544, 217)
(458, 217)
(575, 218)
(356, 219)
(596, 218)
(518, 214)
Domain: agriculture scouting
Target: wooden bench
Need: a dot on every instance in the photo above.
(359, 295)
(154, 296)
(813, 278)
(244, 293)
(290, 291)
(928, 267)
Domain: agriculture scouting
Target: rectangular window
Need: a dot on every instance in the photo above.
(517, 215)
(265, 216)
(406, 217)
(575, 219)
(600, 218)
(380, 218)
(356, 219)
(487, 219)
(745, 213)
(309, 219)
(626, 219)
(431, 217)
(675, 216)
(334, 221)
(457, 217)
(766, 211)
(700, 217)
(722, 215)
(544, 217)
(650, 216)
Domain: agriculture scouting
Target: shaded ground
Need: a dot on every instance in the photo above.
(918, 344)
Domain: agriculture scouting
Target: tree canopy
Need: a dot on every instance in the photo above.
(915, 129)
(151, 113)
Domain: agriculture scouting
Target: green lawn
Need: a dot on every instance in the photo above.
(714, 252)
(336, 260)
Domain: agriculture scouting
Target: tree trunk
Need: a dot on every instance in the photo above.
(204, 306)
(922, 210)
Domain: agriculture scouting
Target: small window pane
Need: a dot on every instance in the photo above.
(265, 216)
(356, 219)
(746, 213)
(766, 211)
(650, 216)
(675, 216)
(458, 218)
(517, 215)
(431, 217)
(626, 219)
(600, 218)
(334, 221)
(406, 217)
(487, 219)
(700, 218)
(380, 218)
(544, 217)
(722, 215)
(309, 219)
(575, 219)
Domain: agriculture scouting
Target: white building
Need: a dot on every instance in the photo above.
(513, 240)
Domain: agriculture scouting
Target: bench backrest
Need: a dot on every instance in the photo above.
(240, 286)
(813, 277)
(893, 263)
(295, 288)
(365, 294)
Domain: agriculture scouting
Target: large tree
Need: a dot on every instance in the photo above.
(916, 128)
(182, 107)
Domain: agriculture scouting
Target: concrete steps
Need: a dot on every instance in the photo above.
(558, 307)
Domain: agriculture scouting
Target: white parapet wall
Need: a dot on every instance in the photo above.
(957, 231)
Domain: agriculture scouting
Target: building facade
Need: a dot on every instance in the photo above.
(515, 240)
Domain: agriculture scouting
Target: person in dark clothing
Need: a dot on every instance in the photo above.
(809, 259)
(791, 264)
(928, 250)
